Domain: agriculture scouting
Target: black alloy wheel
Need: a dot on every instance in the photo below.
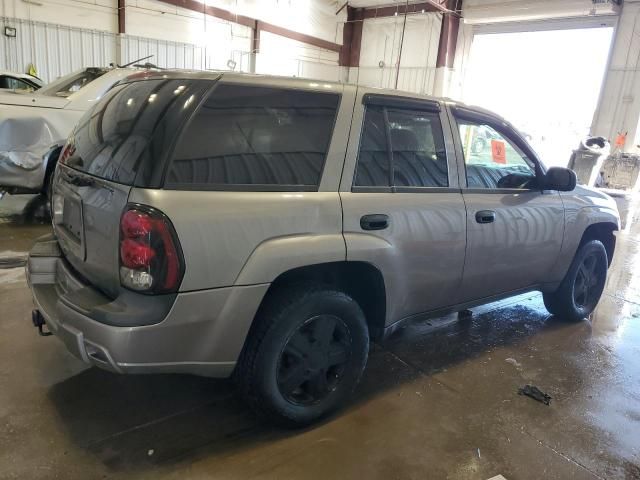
(580, 290)
(586, 285)
(312, 362)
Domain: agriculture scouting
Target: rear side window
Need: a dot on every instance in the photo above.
(401, 148)
(373, 157)
(255, 138)
(110, 139)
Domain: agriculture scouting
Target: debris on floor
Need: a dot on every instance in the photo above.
(535, 393)
(513, 362)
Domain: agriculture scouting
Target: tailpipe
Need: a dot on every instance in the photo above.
(39, 322)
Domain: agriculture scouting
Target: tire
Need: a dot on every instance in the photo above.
(48, 191)
(286, 371)
(582, 287)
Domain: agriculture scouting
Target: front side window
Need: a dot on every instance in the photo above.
(492, 161)
(401, 148)
(14, 83)
(255, 138)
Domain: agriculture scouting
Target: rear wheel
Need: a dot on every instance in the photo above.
(582, 287)
(48, 191)
(304, 356)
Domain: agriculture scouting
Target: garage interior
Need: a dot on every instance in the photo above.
(439, 398)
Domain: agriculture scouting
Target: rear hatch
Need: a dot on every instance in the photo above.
(118, 144)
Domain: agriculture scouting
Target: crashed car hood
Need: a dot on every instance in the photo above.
(26, 134)
(32, 100)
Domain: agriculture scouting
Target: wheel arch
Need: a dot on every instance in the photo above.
(602, 231)
(360, 280)
(50, 161)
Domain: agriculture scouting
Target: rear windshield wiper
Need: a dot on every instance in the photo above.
(79, 181)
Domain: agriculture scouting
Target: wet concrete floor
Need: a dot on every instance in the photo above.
(438, 400)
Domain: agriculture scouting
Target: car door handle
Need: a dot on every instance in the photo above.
(485, 216)
(377, 221)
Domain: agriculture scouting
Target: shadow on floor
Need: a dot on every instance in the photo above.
(24, 209)
(134, 422)
(23, 218)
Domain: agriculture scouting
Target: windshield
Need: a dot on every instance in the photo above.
(65, 86)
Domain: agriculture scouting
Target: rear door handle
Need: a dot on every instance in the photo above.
(377, 221)
(485, 216)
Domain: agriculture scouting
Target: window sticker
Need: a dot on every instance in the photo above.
(498, 152)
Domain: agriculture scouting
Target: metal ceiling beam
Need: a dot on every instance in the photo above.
(392, 11)
(256, 25)
(449, 35)
(121, 17)
(352, 38)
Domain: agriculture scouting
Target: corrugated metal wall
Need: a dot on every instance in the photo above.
(388, 41)
(283, 56)
(165, 54)
(411, 79)
(57, 50)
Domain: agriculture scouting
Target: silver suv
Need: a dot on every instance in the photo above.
(269, 228)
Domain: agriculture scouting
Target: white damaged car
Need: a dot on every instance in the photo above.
(31, 124)
(20, 82)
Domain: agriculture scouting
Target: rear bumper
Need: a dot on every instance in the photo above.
(202, 333)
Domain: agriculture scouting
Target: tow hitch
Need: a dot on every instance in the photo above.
(38, 322)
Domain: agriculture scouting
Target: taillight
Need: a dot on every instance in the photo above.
(67, 151)
(150, 256)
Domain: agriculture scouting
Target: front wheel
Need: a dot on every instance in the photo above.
(304, 356)
(582, 287)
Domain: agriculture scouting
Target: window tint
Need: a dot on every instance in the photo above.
(492, 160)
(65, 86)
(416, 149)
(14, 83)
(417, 145)
(255, 136)
(110, 138)
(373, 157)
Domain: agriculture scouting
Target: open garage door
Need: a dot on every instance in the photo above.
(543, 77)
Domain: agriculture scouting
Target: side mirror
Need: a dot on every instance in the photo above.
(561, 179)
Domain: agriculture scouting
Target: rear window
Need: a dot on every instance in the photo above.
(65, 86)
(246, 137)
(110, 139)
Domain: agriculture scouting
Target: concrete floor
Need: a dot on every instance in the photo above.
(439, 400)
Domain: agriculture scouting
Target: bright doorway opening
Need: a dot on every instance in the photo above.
(546, 83)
